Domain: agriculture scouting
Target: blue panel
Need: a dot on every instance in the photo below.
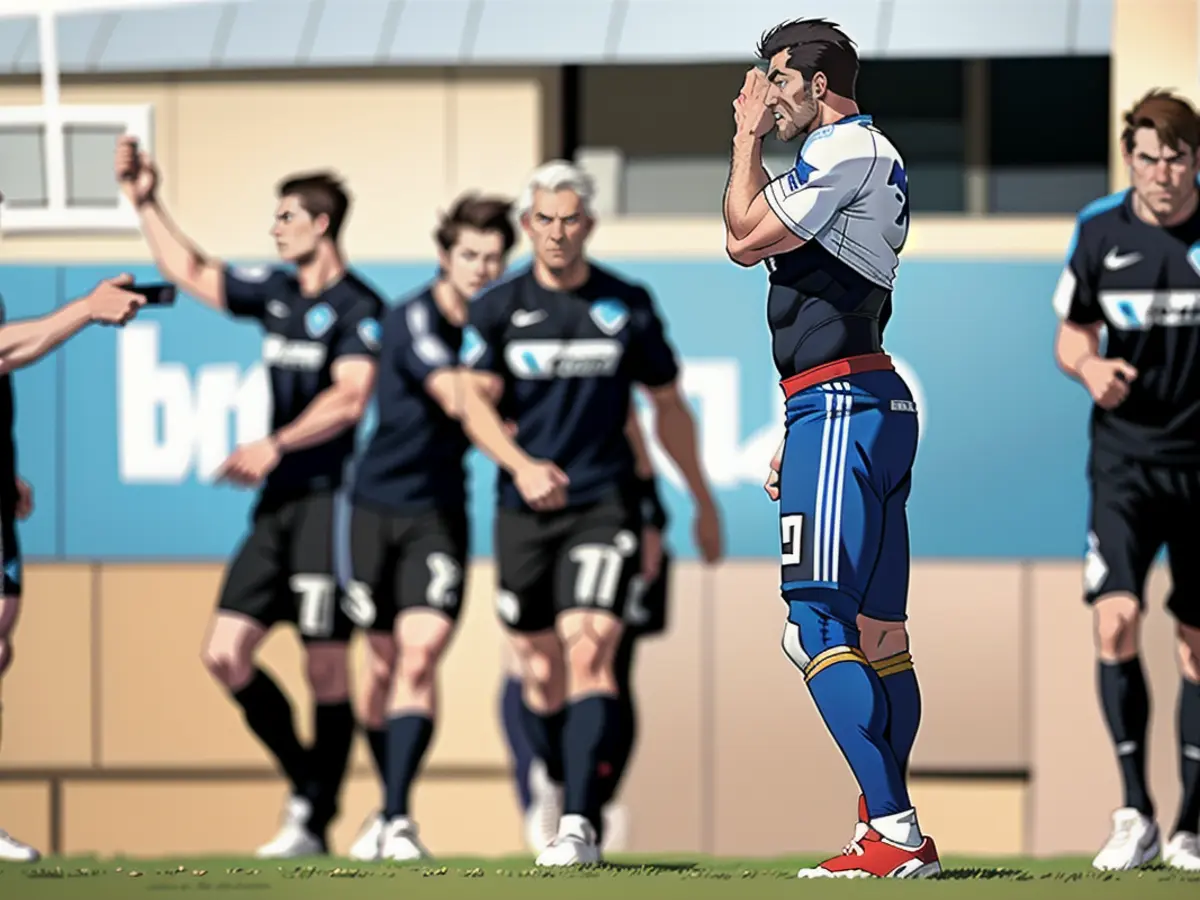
(520, 31)
(950, 28)
(14, 35)
(429, 31)
(350, 40)
(712, 30)
(29, 292)
(182, 37)
(78, 38)
(266, 33)
(1093, 27)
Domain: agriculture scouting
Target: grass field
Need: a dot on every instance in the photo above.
(626, 878)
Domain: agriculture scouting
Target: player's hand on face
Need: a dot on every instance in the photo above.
(250, 463)
(110, 303)
(135, 171)
(24, 499)
(1107, 380)
(542, 485)
(750, 112)
(652, 550)
(707, 532)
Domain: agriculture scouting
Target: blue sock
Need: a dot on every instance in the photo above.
(899, 681)
(408, 738)
(511, 715)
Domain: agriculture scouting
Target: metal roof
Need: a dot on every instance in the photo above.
(254, 34)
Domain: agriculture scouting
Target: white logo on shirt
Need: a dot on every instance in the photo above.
(278, 309)
(523, 318)
(1113, 260)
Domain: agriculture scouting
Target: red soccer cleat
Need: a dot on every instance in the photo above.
(873, 857)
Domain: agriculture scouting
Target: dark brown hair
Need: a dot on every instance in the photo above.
(1172, 118)
(815, 45)
(482, 214)
(320, 193)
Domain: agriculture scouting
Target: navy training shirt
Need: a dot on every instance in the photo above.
(569, 360)
(1142, 283)
(415, 460)
(304, 337)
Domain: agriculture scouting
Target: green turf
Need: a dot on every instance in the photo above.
(626, 878)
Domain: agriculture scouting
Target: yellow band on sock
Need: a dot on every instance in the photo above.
(832, 656)
(893, 665)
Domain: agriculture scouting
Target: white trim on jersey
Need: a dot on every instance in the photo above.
(430, 349)
(831, 482)
(842, 195)
(1064, 292)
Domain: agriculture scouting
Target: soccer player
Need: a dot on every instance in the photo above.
(409, 530)
(322, 338)
(22, 344)
(830, 230)
(1133, 271)
(645, 616)
(557, 349)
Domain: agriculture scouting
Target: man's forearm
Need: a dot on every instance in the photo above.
(485, 428)
(747, 179)
(331, 412)
(676, 431)
(24, 343)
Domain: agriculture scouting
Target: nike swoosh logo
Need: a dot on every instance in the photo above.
(1114, 260)
(523, 318)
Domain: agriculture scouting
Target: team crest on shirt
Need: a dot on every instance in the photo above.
(472, 346)
(318, 320)
(1193, 256)
(369, 333)
(610, 315)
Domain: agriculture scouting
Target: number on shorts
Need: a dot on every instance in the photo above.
(790, 529)
(635, 610)
(359, 604)
(316, 595)
(599, 574)
(445, 575)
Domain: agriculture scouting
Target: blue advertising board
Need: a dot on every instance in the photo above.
(121, 429)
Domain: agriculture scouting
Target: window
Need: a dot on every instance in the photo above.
(56, 167)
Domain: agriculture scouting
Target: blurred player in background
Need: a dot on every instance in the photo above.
(556, 350)
(645, 616)
(1133, 271)
(22, 344)
(408, 534)
(830, 230)
(322, 338)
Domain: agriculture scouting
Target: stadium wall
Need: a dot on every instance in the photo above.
(118, 742)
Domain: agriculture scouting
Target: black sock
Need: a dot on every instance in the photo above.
(1126, 705)
(545, 734)
(625, 734)
(1189, 757)
(269, 715)
(591, 736)
(330, 755)
(408, 739)
(377, 740)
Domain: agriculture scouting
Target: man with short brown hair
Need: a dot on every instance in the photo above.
(1133, 270)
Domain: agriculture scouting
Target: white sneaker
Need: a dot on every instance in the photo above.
(12, 850)
(574, 845)
(366, 847)
(1133, 843)
(294, 839)
(1183, 852)
(400, 841)
(545, 808)
(616, 828)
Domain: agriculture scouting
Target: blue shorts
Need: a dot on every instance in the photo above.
(843, 486)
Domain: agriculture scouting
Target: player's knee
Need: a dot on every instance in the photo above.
(6, 654)
(1189, 652)
(231, 668)
(881, 640)
(539, 659)
(327, 668)
(418, 665)
(590, 653)
(815, 637)
(1117, 618)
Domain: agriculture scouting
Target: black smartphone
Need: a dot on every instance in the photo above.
(155, 294)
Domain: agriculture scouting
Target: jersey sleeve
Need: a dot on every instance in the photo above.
(653, 361)
(248, 289)
(482, 347)
(423, 351)
(827, 177)
(359, 333)
(1075, 297)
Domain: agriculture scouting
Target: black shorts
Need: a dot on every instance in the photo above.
(10, 552)
(646, 604)
(408, 562)
(284, 571)
(1138, 508)
(577, 558)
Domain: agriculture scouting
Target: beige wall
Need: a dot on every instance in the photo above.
(107, 699)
